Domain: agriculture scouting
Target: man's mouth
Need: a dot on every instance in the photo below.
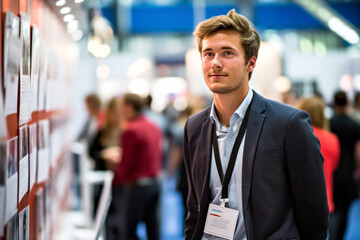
(217, 74)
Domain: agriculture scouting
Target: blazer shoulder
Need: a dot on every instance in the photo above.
(197, 119)
(280, 109)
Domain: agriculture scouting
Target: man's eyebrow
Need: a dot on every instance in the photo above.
(231, 48)
(223, 48)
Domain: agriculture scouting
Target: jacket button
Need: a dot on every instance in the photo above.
(198, 208)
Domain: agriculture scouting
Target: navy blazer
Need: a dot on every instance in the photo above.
(283, 190)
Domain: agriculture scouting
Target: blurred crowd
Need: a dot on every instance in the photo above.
(143, 147)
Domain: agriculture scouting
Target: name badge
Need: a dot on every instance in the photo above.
(221, 221)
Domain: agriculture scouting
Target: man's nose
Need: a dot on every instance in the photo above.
(216, 63)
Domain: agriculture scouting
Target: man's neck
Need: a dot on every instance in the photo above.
(341, 110)
(226, 105)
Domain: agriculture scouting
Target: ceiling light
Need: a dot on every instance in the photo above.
(105, 50)
(60, 3)
(78, 1)
(93, 44)
(68, 17)
(342, 29)
(65, 10)
(72, 26)
(77, 35)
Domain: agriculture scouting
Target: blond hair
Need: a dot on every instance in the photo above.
(315, 106)
(109, 130)
(250, 39)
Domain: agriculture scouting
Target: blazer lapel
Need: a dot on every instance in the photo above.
(206, 147)
(256, 120)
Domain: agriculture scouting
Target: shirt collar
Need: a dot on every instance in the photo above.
(239, 112)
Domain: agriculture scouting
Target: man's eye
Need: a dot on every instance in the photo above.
(208, 54)
(227, 53)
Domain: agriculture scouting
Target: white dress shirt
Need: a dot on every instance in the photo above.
(226, 139)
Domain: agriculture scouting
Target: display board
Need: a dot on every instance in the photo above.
(34, 119)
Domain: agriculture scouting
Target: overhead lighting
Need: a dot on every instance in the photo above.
(97, 49)
(76, 36)
(343, 30)
(79, 1)
(306, 45)
(65, 10)
(105, 50)
(93, 44)
(60, 3)
(72, 26)
(336, 23)
(68, 18)
(319, 48)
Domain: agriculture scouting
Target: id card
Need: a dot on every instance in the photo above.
(221, 221)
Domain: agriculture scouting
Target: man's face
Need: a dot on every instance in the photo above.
(223, 62)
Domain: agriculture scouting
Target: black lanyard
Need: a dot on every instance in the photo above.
(225, 181)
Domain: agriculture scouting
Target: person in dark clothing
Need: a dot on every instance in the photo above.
(107, 139)
(94, 120)
(348, 132)
(108, 136)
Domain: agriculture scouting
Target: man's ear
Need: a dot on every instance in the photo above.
(251, 64)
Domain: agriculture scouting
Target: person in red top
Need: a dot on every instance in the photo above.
(330, 145)
(139, 168)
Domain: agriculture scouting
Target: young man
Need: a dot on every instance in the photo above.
(273, 183)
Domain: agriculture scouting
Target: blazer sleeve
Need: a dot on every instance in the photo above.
(304, 163)
(192, 205)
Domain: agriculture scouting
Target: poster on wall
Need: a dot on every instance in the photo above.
(3, 127)
(11, 179)
(12, 57)
(12, 29)
(23, 161)
(25, 87)
(43, 151)
(47, 213)
(35, 61)
(24, 224)
(12, 229)
(32, 153)
(43, 71)
(2, 185)
(40, 231)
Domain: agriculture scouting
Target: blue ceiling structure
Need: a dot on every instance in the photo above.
(179, 18)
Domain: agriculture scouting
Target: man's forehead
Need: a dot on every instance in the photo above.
(224, 39)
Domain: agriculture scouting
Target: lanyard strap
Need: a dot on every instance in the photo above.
(225, 180)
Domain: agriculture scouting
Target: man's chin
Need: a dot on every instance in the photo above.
(220, 90)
